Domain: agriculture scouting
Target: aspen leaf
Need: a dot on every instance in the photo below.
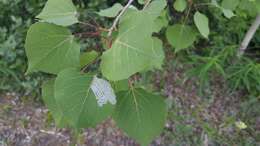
(60, 12)
(51, 48)
(140, 114)
(202, 23)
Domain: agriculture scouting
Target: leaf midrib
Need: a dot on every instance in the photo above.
(52, 50)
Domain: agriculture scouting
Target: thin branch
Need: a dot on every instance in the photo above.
(118, 17)
(93, 26)
(187, 16)
(88, 24)
(87, 34)
(249, 35)
(146, 4)
(84, 68)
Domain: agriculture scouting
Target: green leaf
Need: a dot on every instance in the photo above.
(156, 7)
(135, 53)
(88, 57)
(250, 7)
(132, 56)
(77, 101)
(60, 12)
(51, 48)
(228, 13)
(202, 23)
(141, 2)
(180, 36)
(111, 12)
(121, 85)
(257, 5)
(180, 5)
(215, 3)
(49, 100)
(152, 12)
(161, 21)
(230, 4)
(140, 114)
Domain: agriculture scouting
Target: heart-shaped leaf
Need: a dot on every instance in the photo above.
(51, 48)
(134, 49)
(140, 114)
(77, 101)
(180, 36)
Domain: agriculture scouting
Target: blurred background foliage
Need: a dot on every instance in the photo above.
(15, 18)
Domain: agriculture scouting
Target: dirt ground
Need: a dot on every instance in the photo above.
(24, 122)
(28, 124)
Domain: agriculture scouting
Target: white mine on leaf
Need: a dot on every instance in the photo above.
(103, 91)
